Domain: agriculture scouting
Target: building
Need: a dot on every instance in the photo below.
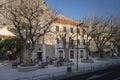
(51, 44)
(5, 32)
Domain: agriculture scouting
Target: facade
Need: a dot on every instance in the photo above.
(52, 45)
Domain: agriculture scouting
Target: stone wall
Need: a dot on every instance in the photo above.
(50, 50)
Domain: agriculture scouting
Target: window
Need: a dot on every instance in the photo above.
(64, 29)
(57, 28)
(81, 55)
(71, 30)
(57, 40)
(61, 53)
(71, 54)
(78, 30)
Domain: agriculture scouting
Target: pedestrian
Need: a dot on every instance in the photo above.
(40, 64)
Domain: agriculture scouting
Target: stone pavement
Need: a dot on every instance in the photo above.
(2, 63)
(9, 73)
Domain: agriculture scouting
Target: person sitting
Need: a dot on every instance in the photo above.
(14, 63)
(40, 64)
(36, 61)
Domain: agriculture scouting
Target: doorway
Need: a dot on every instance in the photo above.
(71, 54)
(39, 55)
(61, 54)
(81, 53)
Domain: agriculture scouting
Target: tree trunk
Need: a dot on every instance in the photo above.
(112, 52)
(101, 53)
(87, 53)
(21, 56)
(118, 48)
(27, 57)
(66, 54)
(86, 45)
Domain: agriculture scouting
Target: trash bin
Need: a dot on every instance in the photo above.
(69, 69)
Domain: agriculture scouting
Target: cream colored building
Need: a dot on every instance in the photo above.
(48, 46)
(51, 48)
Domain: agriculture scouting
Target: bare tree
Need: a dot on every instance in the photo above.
(114, 41)
(67, 41)
(31, 19)
(104, 27)
(66, 37)
(86, 33)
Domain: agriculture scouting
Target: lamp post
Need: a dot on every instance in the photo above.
(77, 49)
(44, 47)
(77, 46)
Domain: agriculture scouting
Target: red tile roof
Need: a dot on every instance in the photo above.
(65, 21)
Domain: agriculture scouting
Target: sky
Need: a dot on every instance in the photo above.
(77, 9)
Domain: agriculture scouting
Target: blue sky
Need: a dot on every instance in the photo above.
(76, 9)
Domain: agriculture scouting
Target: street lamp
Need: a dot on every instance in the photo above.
(77, 50)
(77, 46)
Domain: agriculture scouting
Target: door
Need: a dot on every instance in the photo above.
(71, 54)
(81, 53)
(39, 55)
(61, 54)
